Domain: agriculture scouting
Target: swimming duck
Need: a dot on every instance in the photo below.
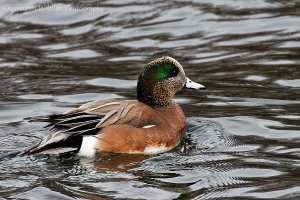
(153, 124)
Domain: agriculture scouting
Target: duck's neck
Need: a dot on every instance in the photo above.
(152, 99)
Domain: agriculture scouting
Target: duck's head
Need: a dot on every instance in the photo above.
(160, 80)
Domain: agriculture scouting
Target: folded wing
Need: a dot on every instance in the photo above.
(68, 129)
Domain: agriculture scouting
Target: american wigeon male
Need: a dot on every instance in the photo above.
(152, 124)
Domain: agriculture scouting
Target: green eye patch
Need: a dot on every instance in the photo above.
(165, 70)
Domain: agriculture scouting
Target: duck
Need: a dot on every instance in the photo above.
(152, 124)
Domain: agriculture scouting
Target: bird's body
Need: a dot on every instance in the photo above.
(153, 124)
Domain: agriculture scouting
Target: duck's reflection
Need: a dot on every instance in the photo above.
(114, 162)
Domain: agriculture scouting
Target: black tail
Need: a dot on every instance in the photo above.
(71, 144)
(67, 131)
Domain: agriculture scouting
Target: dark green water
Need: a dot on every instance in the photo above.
(243, 138)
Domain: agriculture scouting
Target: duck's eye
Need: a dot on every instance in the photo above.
(174, 72)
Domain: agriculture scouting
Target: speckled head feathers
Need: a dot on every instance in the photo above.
(159, 81)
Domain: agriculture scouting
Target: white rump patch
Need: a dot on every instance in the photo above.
(88, 146)
(148, 126)
(156, 149)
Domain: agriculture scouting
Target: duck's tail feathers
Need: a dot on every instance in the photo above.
(53, 118)
(71, 144)
(44, 118)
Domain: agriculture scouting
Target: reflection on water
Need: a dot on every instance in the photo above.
(243, 132)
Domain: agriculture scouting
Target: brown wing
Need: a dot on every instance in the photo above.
(69, 127)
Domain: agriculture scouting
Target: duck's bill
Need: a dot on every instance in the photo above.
(191, 84)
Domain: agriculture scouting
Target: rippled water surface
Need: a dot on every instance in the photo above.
(243, 139)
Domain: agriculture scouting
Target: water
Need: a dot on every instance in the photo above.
(243, 138)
